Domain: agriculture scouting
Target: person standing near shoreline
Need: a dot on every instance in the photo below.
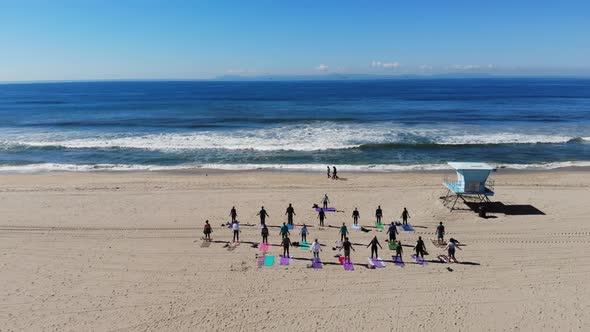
(329, 176)
(290, 213)
(334, 174)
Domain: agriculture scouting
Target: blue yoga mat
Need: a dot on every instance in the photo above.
(408, 228)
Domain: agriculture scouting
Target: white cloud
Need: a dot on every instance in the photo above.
(241, 71)
(470, 67)
(322, 67)
(425, 67)
(387, 65)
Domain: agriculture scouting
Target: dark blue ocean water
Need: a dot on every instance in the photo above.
(358, 125)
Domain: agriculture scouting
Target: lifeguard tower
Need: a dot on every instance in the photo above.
(472, 182)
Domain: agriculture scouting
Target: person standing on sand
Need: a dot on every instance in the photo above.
(440, 233)
(329, 176)
(355, 216)
(325, 201)
(392, 231)
(233, 214)
(399, 250)
(264, 234)
(284, 231)
(315, 248)
(207, 231)
(334, 174)
(290, 213)
(236, 227)
(420, 248)
(262, 215)
(346, 245)
(451, 246)
(304, 233)
(405, 216)
(343, 231)
(286, 243)
(322, 216)
(379, 214)
(373, 244)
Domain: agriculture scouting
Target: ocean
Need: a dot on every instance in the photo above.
(377, 125)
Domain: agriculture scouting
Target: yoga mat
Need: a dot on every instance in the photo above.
(264, 247)
(398, 261)
(205, 244)
(408, 228)
(316, 263)
(348, 266)
(269, 260)
(304, 245)
(330, 209)
(375, 262)
(381, 262)
(290, 227)
(443, 258)
(260, 260)
(380, 226)
(418, 259)
(392, 245)
(284, 260)
(356, 227)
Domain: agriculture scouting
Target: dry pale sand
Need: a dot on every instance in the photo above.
(121, 251)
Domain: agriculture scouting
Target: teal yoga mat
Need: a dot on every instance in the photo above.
(269, 260)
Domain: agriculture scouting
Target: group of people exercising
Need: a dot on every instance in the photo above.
(345, 244)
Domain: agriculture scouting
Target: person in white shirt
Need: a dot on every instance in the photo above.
(451, 246)
(315, 248)
(236, 227)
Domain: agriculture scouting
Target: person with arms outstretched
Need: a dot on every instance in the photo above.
(355, 216)
(262, 215)
(373, 244)
(290, 213)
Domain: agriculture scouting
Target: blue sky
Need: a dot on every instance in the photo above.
(87, 39)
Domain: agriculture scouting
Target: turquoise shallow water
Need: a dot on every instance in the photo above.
(357, 125)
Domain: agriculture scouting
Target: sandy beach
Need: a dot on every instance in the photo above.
(122, 251)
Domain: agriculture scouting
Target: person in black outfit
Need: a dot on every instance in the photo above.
(264, 234)
(379, 214)
(334, 174)
(355, 216)
(346, 245)
(373, 244)
(405, 216)
(290, 213)
(262, 215)
(286, 244)
(233, 214)
(420, 248)
(322, 216)
(329, 176)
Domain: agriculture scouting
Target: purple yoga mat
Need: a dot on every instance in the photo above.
(348, 265)
(260, 260)
(377, 263)
(398, 261)
(316, 263)
(284, 260)
(418, 259)
(330, 209)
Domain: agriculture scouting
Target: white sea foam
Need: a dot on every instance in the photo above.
(291, 138)
(383, 168)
